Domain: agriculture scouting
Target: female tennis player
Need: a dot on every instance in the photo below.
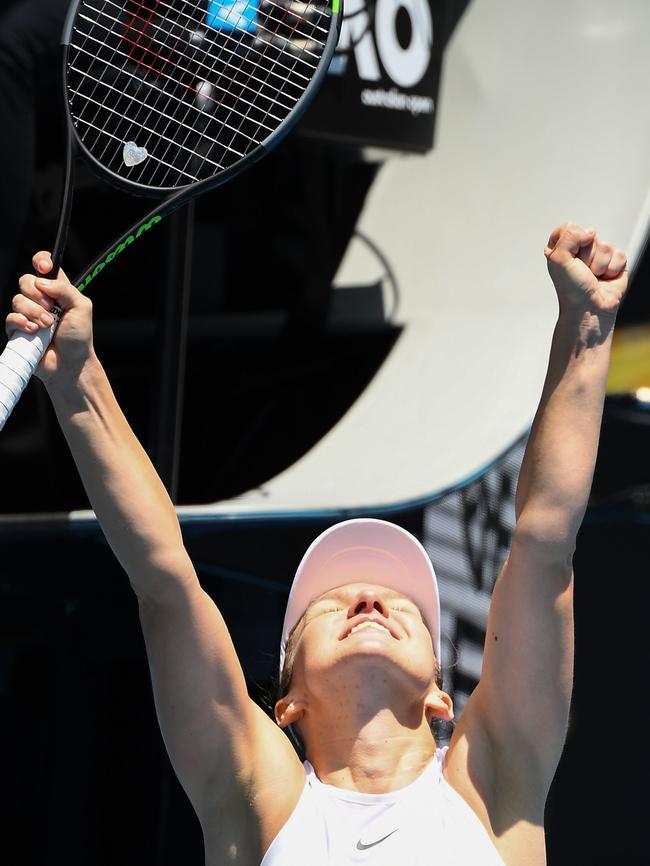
(360, 646)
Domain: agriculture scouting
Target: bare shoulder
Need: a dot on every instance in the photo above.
(509, 739)
(495, 784)
(279, 777)
(255, 808)
(236, 766)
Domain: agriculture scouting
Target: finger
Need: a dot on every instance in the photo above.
(32, 311)
(27, 285)
(602, 256)
(42, 262)
(18, 322)
(60, 291)
(554, 236)
(567, 241)
(617, 265)
(587, 252)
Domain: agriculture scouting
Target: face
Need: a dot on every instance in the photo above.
(365, 631)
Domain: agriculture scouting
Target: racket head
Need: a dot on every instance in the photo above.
(162, 95)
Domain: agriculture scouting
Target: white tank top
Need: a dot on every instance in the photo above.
(427, 823)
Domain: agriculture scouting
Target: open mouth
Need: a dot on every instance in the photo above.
(370, 624)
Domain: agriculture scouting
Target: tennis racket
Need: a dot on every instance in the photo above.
(172, 98)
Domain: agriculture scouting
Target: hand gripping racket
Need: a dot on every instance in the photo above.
(172, 98)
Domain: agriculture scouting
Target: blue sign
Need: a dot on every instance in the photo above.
(232, 14)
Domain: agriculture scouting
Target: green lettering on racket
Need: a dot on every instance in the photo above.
(118, 249)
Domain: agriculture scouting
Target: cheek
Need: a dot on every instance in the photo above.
(312, 645)
(425, 647)
(315, 650)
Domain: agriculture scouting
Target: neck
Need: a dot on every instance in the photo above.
(373, 755)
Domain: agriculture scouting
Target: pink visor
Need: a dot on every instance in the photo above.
(365, 550)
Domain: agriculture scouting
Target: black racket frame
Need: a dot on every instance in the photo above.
(75, 148)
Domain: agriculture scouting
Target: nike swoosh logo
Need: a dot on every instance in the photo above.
(362, 847)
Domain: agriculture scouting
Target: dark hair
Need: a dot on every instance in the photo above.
(284, 682)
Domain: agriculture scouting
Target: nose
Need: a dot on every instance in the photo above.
(368, 600)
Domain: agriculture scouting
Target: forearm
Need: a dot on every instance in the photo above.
(557, 470)
(129, 499)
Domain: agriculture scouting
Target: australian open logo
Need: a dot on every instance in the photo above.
(394, 43)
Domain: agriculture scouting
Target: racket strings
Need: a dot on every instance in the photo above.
(114, 67)
(185, 116)
(197, 49)
(157, 50)
(308, 9)
(245, 84)
(192, 87)
(226, 124)
(280, 22)
(153, 107)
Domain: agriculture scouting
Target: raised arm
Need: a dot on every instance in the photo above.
(590, 278)
(216, 737)
(129, 499)
(523, 697)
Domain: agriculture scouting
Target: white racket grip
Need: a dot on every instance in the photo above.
(20, 358)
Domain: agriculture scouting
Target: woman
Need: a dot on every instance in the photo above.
(360, 646)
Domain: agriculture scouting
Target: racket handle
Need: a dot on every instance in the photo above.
(20, 358)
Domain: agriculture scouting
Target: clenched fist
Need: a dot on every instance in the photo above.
(588, 273)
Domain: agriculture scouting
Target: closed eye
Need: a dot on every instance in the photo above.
(330, 609)
(404, 609)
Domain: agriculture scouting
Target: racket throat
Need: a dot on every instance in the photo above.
(111, 254)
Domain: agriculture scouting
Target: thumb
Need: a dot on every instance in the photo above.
(61, 291)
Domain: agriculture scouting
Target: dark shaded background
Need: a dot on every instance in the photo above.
(85, 778)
